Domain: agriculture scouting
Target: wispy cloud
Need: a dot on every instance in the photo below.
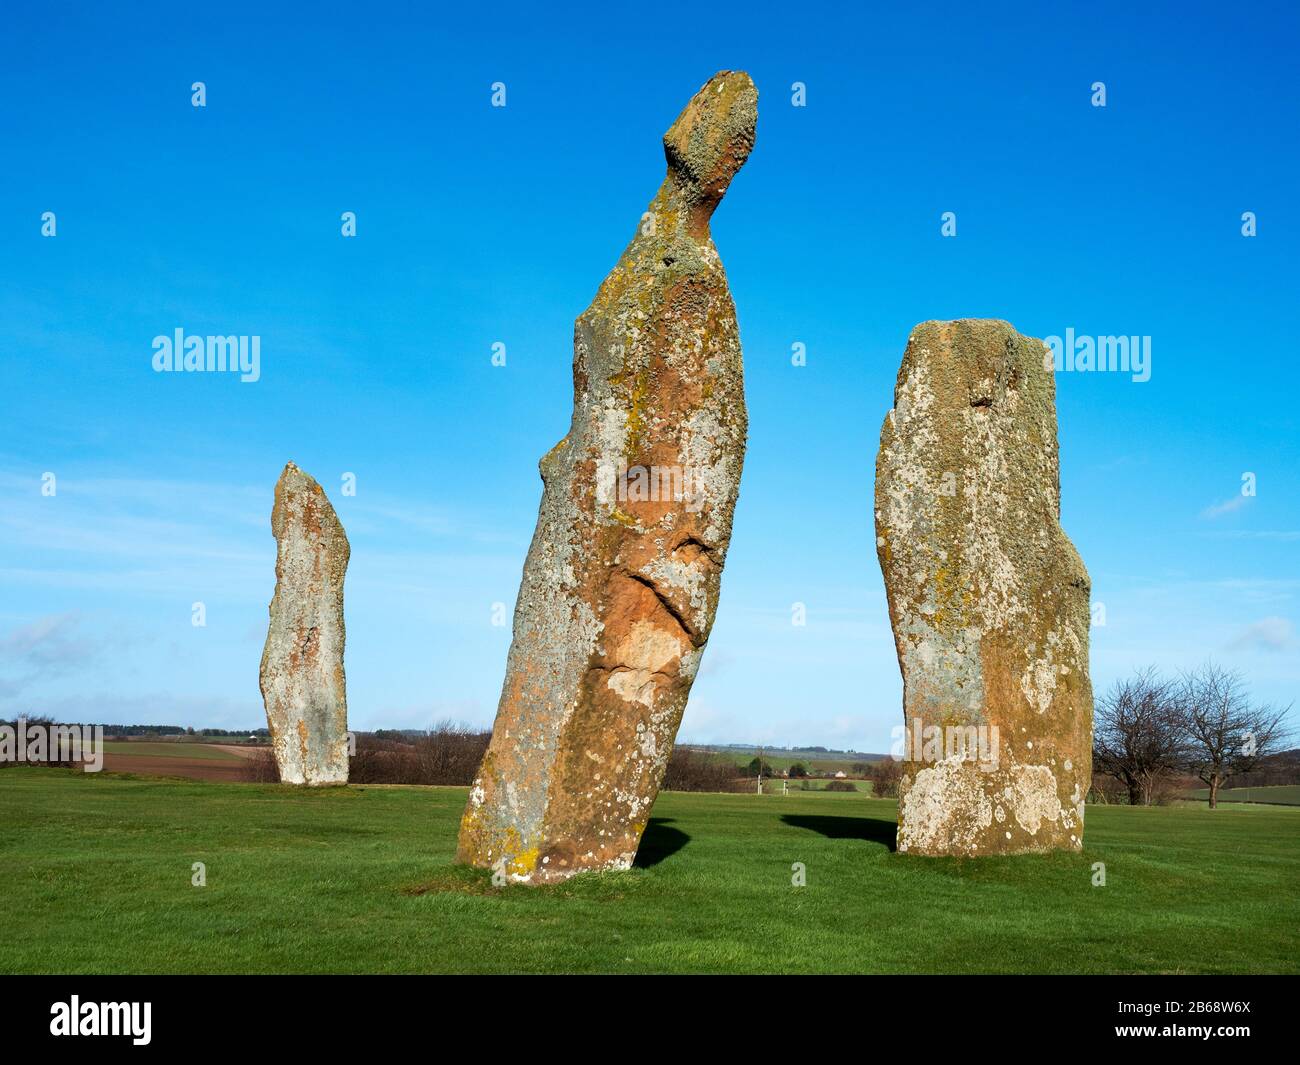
(1228, 506)
(1266, 634)
(49, 647)
(1241, 590)
(1280, 535)
(42, 640)
(166, 537)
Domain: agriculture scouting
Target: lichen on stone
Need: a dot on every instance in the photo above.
(988, 598)
(302, 679)
(619, 594)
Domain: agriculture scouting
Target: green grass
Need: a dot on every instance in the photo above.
(168, 750)
(772, 785)
(1280, 794)
(95, 873)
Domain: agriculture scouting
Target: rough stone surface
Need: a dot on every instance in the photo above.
(302, 665)
(987, 597)
(621, 582)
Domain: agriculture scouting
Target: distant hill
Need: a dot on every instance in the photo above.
(1272, 770)
(817, 760)
(752, 749)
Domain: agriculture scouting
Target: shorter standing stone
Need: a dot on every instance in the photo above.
(302, 678)
(987, 597)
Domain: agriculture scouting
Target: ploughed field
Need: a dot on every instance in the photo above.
(197, 761)
(97, 870)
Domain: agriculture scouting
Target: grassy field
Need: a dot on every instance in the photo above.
(95, 871)
(1280, 794)
(772, 785)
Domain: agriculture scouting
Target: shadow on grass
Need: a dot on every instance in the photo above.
(872, 829)
(659, 842)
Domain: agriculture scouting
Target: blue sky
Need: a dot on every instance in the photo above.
(478, 225)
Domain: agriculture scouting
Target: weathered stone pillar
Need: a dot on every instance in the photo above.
(302, 665)
(621, 582)
(987, 597)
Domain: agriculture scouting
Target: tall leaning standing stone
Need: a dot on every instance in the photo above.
(621, 582)
(302, 665)
(987, 597)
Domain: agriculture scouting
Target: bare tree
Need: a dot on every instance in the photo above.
(1224, 733)
(885, 776)
(1137, 733)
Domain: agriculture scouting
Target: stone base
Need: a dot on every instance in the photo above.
(955, 808)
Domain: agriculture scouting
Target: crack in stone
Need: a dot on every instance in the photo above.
(667, 604)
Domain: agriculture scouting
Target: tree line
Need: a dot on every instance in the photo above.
(1148, 728)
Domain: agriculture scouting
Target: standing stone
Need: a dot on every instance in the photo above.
(621, 582)
(987, 597)
(302, 665)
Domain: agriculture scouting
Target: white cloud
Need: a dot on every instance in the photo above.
(1266, 634)
(47, 648)
(1226, 507)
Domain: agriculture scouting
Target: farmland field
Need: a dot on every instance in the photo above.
(146, 749)
(195, 761)
(96, 871)
(1279, 794)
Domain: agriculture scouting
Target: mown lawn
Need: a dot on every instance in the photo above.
(96, 874)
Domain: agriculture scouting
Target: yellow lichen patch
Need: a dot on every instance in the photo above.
(522, 864)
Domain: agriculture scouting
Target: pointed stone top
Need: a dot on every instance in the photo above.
(300, 498)
(294, 476)
(713, 136)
